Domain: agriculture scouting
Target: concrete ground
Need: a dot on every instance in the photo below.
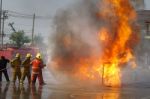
(55, 91)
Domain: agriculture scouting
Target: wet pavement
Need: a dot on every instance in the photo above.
(57, 91)
(11, 91)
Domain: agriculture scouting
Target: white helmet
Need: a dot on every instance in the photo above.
(28, 55)
(18, 55)
(38, 55)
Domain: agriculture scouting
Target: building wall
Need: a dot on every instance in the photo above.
(138, 4)
(143, 49)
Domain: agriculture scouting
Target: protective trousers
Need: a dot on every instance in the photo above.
(35, 76)
(5, 74)
(24, 75)
(16, 74)
(41, 76)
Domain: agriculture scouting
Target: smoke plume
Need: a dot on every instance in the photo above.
(75, 39)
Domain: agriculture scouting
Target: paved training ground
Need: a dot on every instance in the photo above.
(54, 91)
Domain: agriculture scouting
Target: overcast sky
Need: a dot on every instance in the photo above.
(40, 8)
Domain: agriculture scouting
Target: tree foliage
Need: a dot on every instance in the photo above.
(19, 38)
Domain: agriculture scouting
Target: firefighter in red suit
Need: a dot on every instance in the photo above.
(37, 66)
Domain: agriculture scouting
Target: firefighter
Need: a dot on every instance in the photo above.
(37, 65)
(3, 69)
(26, 69)
(16, 64)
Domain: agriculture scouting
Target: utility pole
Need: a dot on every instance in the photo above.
(33, 29)
(0, 19)
(3, 24)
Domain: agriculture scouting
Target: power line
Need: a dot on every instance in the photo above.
(26, 16)
(14, 12)
(20, 16)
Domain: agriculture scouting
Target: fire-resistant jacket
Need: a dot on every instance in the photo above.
(26, 65)
(15, 64)
(37, 65)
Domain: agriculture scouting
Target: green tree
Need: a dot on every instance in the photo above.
(19, 38)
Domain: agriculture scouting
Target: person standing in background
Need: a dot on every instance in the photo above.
(3, 68)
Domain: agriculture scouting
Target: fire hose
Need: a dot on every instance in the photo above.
(8, 67)
(3, 69)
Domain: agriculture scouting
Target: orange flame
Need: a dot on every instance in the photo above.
(115, 42)
(116, 38)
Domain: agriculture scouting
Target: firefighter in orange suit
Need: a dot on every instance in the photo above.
(16, 64)
(26, 69)
(37, 65)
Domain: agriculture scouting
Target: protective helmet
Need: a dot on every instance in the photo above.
(28, 55)
(38, 55)
(17, 55)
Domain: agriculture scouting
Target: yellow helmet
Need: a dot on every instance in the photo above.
(28, 55)
(38, 55)
(17, 55)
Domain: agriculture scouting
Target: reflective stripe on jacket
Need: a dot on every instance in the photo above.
(26, 65)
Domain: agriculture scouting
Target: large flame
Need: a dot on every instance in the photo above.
(116, 37)
(115, 41)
